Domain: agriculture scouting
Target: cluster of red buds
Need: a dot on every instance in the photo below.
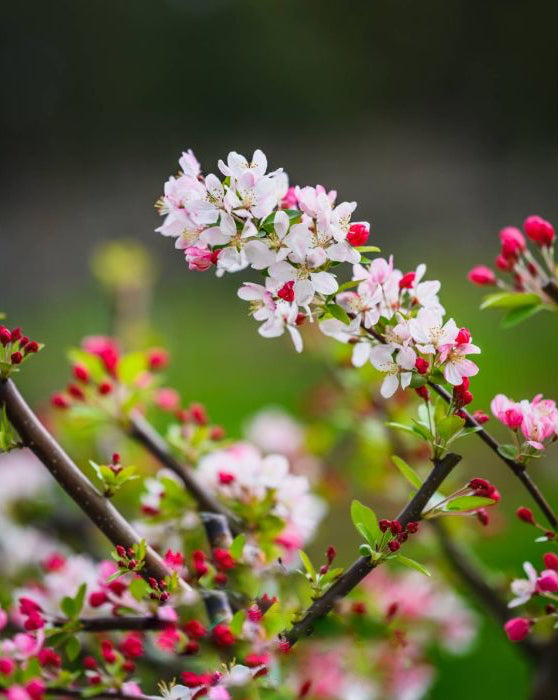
(484, 489)
(128, 559)
(516, 259)
(222, 635)
(82, 388)
(14, 348)
(195, 631)
(158, 589)
(399, 532)
(526, 516)
(32, 611)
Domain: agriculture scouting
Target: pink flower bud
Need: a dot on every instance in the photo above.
(539, 231)
(513, 242)
(517, 628)
(548, 581)
(482, 275)
(513, 418)
(481, 417)
(287, 291)
(464, 336)
(6, 666)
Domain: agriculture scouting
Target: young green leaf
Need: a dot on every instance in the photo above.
(308, 565)
(449, 426)
(362, 515)
(412, 564)
(408, 472)
(510, 300)
(237, 546)
(72, 648)
(338, 312)
(465, 503)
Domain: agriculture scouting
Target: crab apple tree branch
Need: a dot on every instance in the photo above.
(363, 566)
(98, 508)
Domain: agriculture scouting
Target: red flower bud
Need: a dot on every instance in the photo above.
(421, 365)
(482, 516)
(59, 401)
(225, 478)
(393, 546)
(222, 635)
(550, 560)
(97, 598)
(423, 392)
(513, 242)
(482, 275)
(407, 281)
(157, 358)
(412, 527)
(5, 336)
(16, 357)
(384, 524)
(81, 373)
(539, 230)
(464, 336)
(198, 414)
(481, 417)
(526, 515)
(194, 629)
(358, 234)
(104, 388)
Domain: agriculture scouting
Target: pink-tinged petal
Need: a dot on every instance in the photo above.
(324, 282)
(467, 368)
(389, 386)
(452, 374)
(535, 444)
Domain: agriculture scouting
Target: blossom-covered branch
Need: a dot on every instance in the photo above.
(147, 436)
(98, 508)
(364, 565)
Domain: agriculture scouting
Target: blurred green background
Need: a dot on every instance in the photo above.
(438, 117)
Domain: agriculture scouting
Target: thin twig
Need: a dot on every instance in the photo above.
(98, 508)
(363, 566)
(146, 435)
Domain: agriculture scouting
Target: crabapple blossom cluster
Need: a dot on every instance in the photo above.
(533, 423)
(296, 236)
(258, 488)
(544, 586)
(534, 282)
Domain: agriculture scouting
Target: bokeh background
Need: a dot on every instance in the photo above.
(438, 117)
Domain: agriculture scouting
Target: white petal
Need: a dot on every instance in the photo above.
(259, 255)
(324, 282)
(389, 386)
(361, 353)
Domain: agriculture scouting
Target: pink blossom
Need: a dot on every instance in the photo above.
(167, 399)
(174, 560)
(17, 692)
(200, 259)
(3, 619)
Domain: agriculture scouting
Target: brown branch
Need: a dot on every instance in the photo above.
(98, 508)
(363, 566)
(117, 624)
(144, 433)
(551, 288)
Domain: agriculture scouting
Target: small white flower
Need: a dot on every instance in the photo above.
(398, 370)
(523, 588)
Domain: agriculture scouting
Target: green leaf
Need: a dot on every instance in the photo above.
(412, 564)
(79, 599)
(408, 472)
(348, 285)
(308, 564)
(237, 546)
(139, 588)
(362, 515)
(237, 622)
(91, 362)
(449, 426)
(508, 451)
(68, 606)
(131, 366)
(338, 312)
(418, 380)
(515, 316)
(368, 249)
(72, 648)
(465, 503)
(510, 300)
